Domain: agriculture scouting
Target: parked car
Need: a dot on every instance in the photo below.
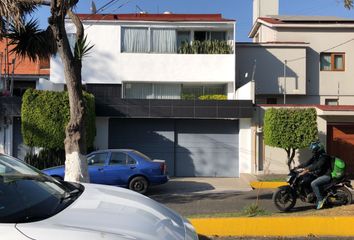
(36, 206)
(121, 167)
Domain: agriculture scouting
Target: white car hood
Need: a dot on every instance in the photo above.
(104, 212)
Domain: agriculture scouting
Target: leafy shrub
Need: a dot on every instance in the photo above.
(290, 129)
(188, 96)
(46, 158)
(45, 115)
(213, 97)
(206, 47)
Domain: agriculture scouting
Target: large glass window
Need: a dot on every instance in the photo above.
(332, 61)
(183, 37)
(152, 91)
(164, 41)
(190, 92)
(135, 40)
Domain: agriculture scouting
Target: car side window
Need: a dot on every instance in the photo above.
(118, 158)
(131, 161)
(98, 159)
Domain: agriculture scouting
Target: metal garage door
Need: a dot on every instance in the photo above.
(153, 137)
(340, 142)
(207, 148)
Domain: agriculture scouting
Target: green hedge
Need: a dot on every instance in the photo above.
(213, 97)
(290, 128)
(45, 115)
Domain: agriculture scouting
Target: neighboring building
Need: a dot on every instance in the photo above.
(17, 75)
(147, 91)
(301, 61)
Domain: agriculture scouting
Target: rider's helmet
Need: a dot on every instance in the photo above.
(316, 147)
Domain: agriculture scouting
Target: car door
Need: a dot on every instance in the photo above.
(96, 166)
(121, 166)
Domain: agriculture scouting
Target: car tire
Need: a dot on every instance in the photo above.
(139, 184)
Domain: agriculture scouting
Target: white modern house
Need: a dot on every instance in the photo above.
(147, 72)
(300, 61)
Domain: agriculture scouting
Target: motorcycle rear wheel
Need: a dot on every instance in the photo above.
(284, 199)
(341, 196)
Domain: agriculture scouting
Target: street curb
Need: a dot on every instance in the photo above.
(275, 226)
(260, 185)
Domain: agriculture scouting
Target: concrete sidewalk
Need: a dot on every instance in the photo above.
(202, 185)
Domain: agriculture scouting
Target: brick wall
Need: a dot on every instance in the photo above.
(23, 66)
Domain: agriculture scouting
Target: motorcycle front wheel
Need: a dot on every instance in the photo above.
(341, 196)
(284, 198)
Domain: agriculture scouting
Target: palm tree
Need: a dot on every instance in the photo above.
(348, 4)
(34, 43)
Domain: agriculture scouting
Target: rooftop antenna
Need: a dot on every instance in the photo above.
(93, 8)
(139, 8)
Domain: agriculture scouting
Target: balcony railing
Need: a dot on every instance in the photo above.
(198, 109)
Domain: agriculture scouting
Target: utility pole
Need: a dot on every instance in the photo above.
(12, 77)
(284, 87)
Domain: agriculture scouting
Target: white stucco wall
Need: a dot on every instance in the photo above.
(269, 71)
(107, 64)
(245, 146)
(101, 139)
(45, 84)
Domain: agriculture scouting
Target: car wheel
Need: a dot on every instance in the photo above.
(139, 184)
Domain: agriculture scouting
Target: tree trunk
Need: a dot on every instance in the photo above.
(290, 154)
(75, 141)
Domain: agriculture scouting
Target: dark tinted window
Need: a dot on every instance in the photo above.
(27, 195)
(97, 159)
(131, 161)
(118, 158)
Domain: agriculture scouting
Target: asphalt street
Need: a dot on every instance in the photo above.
(223, 202)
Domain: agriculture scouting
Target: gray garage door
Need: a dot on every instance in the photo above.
(153, 137)
(207, 148)
(190, 147)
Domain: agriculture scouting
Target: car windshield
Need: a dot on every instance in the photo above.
(142, 155)
(27, 195)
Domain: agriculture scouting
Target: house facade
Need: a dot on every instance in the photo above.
(16, 75)
(300, 61)
(148, 72)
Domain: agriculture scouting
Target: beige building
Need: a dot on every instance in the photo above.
(300, 61)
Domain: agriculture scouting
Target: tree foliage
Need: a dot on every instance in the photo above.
(290, 129)
(45, 115)
(348, 4)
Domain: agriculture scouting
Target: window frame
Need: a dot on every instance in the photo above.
(332, 63)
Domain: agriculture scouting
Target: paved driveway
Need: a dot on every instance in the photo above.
(194, 196)
(191, 186)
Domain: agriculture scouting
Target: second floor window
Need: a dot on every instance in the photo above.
(332, 61)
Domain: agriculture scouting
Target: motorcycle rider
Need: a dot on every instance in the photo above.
(320, 166)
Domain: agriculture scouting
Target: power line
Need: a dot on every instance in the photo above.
(333, 47)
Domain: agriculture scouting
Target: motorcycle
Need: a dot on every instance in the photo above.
(336, 192)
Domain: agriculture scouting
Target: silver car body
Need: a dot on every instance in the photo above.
(105, 212)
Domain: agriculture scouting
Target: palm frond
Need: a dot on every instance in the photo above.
(15, 10)
(348, 4)
(82, 48)
(29, 41)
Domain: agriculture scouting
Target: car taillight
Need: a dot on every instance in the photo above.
(163, 168)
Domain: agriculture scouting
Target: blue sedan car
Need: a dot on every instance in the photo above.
(121, 167)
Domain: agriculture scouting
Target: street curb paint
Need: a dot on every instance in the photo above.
(258, 185)
(275, 226)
